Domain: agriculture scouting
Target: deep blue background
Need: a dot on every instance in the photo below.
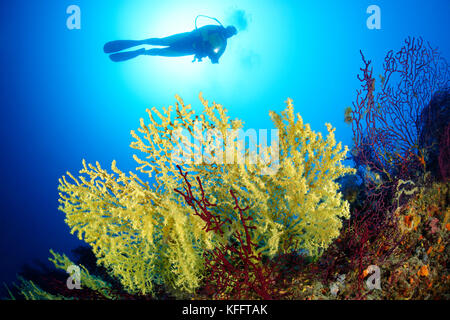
(63, 100)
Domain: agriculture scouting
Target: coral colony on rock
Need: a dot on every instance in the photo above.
(219, 220)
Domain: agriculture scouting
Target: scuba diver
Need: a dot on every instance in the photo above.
(208, 41)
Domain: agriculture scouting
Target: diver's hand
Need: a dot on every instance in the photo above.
(198, 58)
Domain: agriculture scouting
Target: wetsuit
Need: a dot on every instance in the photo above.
(208, 41)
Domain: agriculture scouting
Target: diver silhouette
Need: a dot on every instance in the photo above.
(208, 41)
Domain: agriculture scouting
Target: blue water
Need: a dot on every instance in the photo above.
(63, 100)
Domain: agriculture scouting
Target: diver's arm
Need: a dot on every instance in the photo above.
(199, 57)
(200, 53)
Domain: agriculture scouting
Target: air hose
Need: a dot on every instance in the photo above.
(201, 15)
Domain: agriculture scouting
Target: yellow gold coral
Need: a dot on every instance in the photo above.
(143, 233)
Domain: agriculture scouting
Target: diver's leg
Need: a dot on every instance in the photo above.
(168, 52)
(119, 45)
(168, 41)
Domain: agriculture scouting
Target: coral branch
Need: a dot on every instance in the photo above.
(444, 154)
(235, 266)
(212, 222)
(387, 125)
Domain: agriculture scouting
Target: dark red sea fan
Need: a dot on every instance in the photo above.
(387, 123)
(444, 154)
(236, 269)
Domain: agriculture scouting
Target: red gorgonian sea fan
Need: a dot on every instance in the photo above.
(444, 154)
(235, 269)
(391, 125)
(387, 122)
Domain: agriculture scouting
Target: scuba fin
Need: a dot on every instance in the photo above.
(127, 55)
(119, 45)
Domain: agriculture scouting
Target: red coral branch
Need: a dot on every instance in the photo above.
(235, 269)
(212, 222)
(444, 154)
(386, 126)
